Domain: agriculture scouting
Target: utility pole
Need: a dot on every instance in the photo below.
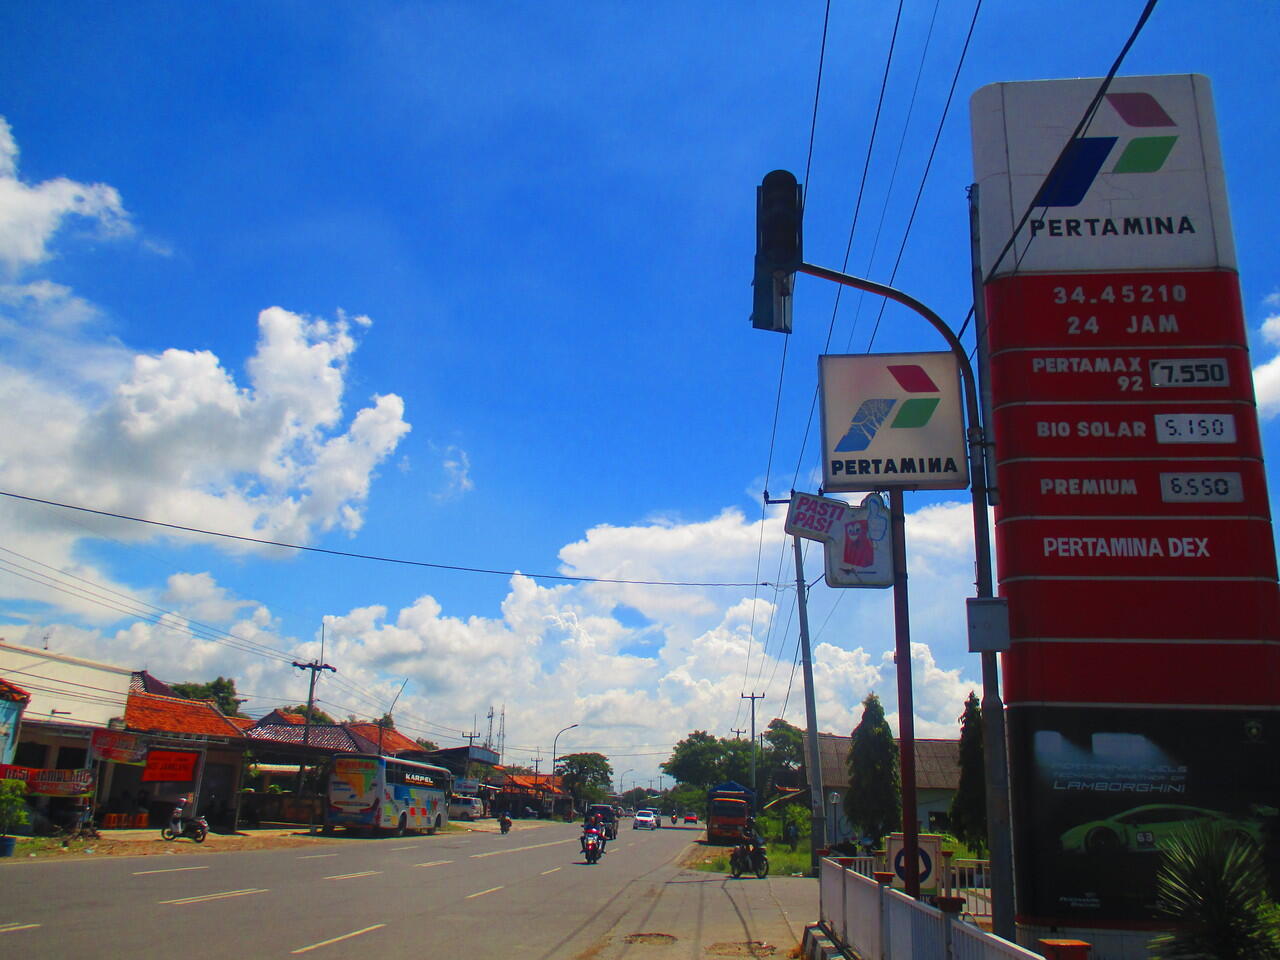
(753, 697)
(737, 732)
(818, 810)
(381, 725)
(315, 667)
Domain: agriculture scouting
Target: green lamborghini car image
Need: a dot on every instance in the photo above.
(1144, 828)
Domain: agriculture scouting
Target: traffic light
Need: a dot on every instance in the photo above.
(779, 250)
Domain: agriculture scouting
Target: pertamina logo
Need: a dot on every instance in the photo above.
(1083, 158)
(912, 413)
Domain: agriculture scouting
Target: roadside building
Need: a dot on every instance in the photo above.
(937, 779)
(70, 698)
(532, 794)
(13, 700)
(194, 752)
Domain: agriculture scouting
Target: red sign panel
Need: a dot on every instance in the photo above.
(1144, 673)
(176, 766)
(1180, 429)
(1116, 310)
(1101, 547)
(1156, 609)
(1123, 375)
(1119, 488)
(1133, 497)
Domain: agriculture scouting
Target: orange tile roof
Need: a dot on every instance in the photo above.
(393, 741)
(535, 781)
(244, 723)
(152, 713)
(11, 691)
(279, 716)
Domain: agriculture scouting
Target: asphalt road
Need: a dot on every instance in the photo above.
(478, 895)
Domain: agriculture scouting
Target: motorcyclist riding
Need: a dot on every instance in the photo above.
(592, 827)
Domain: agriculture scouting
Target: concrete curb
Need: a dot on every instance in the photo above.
(816, 945)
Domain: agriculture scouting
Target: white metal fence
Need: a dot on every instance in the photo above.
(883, 924)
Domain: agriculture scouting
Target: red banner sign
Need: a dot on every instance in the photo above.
(50, 783)
(118, 747)
(174, 766)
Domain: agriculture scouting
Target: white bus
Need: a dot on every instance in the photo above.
(385, 793)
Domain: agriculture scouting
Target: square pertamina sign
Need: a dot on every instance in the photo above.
(892, 420)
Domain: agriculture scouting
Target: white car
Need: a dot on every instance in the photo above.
(644, 819)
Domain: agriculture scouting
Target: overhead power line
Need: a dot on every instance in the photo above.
(366, 556)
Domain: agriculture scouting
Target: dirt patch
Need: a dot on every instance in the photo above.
(648, 938)
(742, 948)
(699, 856)
(107, 846)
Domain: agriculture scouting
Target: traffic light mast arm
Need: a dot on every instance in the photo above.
(999, 833)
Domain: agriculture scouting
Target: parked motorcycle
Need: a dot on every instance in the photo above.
(504, 824)
(749, 858)
(592, 846)
(197, 828)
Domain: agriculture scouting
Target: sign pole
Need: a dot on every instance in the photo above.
(906, 707)
(997, 763)
(817, 823)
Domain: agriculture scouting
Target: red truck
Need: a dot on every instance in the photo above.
(728, 806)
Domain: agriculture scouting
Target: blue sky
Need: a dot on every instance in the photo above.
(468, 284)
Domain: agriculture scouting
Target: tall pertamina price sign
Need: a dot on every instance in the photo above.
(1133, 536)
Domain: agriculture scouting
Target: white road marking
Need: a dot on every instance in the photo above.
(14, 927)
(143, 873)
(494, 853)
(317, 856)
(552, 870)
(433, 863)
(345, 936)
(481, 893)
(215, 896)
(352, 876)
(403, 848)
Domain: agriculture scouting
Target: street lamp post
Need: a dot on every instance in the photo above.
(622, 784)
(553, 746)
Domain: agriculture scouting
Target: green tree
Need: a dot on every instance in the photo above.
(696, 760)
(684, 797)
(873, 802)
(968, 811)
(221, 691)
(735, 763)
(785, 755)
(317, 715)
(385, 722)
(586, 776)
(1214, 886)
(426, 744)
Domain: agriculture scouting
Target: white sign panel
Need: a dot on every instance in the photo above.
(857, 540)
(892, 420)
(1141, 189)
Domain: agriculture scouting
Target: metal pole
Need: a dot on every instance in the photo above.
(999, 817)
(906, 703)
(817, 822)
(753, 697)
(997, 763)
